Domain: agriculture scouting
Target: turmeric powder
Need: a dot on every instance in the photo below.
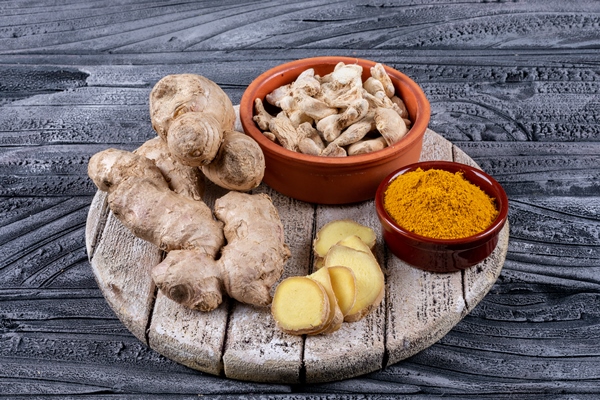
(439, 204)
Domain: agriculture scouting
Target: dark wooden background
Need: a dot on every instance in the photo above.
(514, 84)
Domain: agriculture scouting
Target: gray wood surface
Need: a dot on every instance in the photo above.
(512, 84)
(244, 343)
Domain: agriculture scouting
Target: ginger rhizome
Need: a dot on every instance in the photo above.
(195, 118)
(350, 283)
(198, 267)
(156, 192)
(346, 116)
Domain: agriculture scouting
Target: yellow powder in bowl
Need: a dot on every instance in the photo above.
(439, 204)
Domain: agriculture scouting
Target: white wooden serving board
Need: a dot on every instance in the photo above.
(242, 342)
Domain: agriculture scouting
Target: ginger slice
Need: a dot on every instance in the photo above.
(343, 283)
(355, 243)
(300, 306)
(370, 283)
(336, 318)
(334, 231)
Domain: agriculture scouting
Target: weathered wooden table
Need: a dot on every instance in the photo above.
(513, 85)
(243, 342)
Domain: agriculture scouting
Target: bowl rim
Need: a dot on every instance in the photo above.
(420, 123)
(451, 166)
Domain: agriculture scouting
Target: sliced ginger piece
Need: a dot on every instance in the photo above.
(336, 318)
(300, 306)
(334, 231)
(370, 282)
(355, 243)
(343, 283)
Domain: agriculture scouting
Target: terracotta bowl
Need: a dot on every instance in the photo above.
(333, 180)
(443, 255)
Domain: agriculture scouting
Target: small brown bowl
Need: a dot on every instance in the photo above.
(443, 255)
(333, 180)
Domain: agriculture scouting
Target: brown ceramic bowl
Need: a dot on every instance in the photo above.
(333, 180)
(443, 255)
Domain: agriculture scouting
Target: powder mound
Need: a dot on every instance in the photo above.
(439, 204)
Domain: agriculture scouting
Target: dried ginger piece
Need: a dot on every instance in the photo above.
(342, 108)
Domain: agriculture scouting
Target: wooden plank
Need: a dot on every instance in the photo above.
(121, 265)
(435, 147)
(256, 349)
(423, 306)
(190, 337)
(193, 338)
(358, 347)
(95, 221)
(480, 278)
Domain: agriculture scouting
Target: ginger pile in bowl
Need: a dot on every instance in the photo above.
(334, 115)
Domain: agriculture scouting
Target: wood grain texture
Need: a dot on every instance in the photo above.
(419, 307)
(359, 346)
(121, 264)
(512, 84)
(190, 338)
(256, 349)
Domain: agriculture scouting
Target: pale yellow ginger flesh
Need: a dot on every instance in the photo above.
(355, 243)
(343, 283)
(336, 318)
(300, 305)
(370, 281)
(349, 274)
(334, 231)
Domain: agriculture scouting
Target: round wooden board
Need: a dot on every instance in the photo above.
(242, 342)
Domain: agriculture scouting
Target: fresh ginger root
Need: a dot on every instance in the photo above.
(256, 251)
(349, 275)
(334, 231)
(191, 278)
(300, 306)
(237, 165)
(343, 284)
(336, 318)
(194, 117)
(140, 197)
(182, 179)
(370, 282)
(208, 110)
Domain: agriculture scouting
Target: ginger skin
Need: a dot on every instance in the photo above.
(256, 249)
(176, 95)
(238, 165)
(195, 118)
(350, 283)
(182, 178)
(140, 197)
